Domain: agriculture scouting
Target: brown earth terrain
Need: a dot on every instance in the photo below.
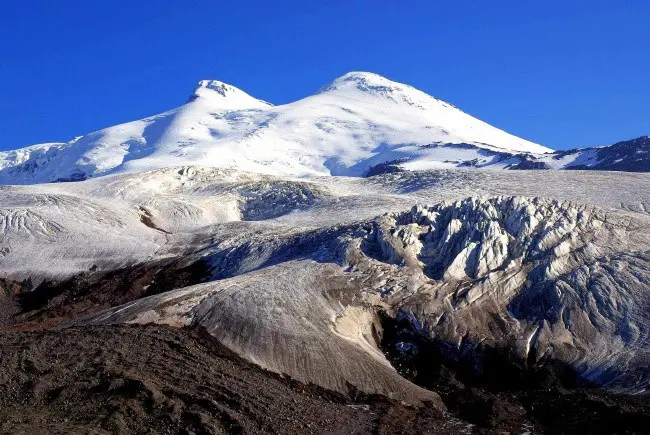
(133, 379)
(156, 379)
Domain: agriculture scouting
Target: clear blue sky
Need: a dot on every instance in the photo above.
(561, 73)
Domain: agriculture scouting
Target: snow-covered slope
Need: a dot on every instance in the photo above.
(356, 122)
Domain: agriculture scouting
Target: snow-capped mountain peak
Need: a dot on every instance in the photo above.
(364, 85)
(374, 85)
(222, 95)
(359, 121)
(361, 80)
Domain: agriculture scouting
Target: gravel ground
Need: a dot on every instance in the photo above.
(156, 379)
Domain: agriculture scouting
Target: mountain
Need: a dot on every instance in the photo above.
(356, 122)
(205, 287)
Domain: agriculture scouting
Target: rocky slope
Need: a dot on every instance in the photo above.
(102, 384)
(181, 381)
(632, 156)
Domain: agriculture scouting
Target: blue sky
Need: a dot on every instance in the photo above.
(563, 74)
